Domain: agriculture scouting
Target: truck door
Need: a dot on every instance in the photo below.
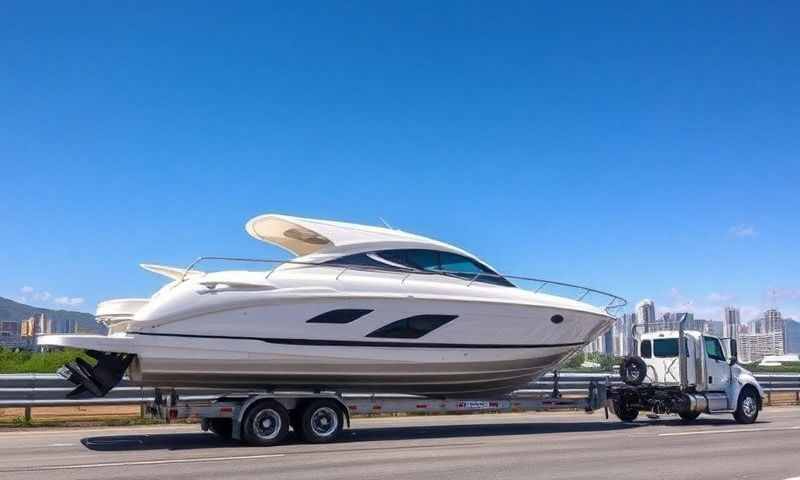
(717, 369)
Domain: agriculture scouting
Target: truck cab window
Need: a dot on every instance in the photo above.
(645, 349)
(713, 348)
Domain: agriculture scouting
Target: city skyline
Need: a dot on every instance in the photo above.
(771, 333)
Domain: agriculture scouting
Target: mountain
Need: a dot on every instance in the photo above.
(16, 312)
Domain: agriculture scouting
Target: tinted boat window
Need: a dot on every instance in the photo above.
(427, 260)
(433, 261)
(412, 327)
(424, 259)
(471, 270)
(361, 259)
(456, 263)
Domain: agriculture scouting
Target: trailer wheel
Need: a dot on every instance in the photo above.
(222, 427)
(689, 416)
(633, 370)
(321, 421)
(624, 412)
(747, 406)
(265, 423)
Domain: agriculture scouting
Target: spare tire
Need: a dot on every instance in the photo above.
(633, 370)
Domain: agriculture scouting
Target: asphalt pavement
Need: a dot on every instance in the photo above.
(465, 447)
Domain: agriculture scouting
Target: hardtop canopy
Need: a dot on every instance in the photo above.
(305, 236)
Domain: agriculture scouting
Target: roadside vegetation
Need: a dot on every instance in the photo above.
(786, 367)
(22, 361)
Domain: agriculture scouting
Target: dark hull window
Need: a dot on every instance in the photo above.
(412, 327)
(339, 316)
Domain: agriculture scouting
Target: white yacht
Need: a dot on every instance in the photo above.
(361, 309)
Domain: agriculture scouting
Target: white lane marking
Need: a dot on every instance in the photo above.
(157, 462)
(736, 430)
(61, 444)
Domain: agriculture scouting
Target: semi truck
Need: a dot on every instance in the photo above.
(681, 372)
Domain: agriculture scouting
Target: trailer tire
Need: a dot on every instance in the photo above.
(625, 413)
(265, 423)
(321, 421)
(689, 416)
(747, 407)
(221, 427)
(633, 370)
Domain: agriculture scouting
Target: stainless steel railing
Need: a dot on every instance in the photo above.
(612, 303)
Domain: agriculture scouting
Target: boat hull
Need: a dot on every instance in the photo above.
(225, 363)
(487, 347)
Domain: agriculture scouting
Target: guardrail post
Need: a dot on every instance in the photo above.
(28, 415)
(769, 398)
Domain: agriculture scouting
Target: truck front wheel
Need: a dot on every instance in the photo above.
(747, 407)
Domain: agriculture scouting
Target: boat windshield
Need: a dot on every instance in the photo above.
(446, 263)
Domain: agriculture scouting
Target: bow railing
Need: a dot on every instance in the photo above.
(610, 303)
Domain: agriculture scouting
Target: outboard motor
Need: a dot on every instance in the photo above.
(95, 380)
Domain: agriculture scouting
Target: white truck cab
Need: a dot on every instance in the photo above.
(688, 373)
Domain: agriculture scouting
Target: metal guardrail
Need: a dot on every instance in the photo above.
(49, 390)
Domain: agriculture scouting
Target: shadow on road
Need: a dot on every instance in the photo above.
(189, 441)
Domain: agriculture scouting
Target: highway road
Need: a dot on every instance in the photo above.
(507, 446)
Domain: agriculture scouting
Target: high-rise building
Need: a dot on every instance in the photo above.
(714, 327)
(755, 346)
(9, 328)
(732, 322)
(608, 342)
(691, 323)
(623, 336)
(646, 314)
(36, 324)
(672, 321)
(770, 321)
(791, 339)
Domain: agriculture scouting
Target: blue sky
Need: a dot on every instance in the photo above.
(646, 148)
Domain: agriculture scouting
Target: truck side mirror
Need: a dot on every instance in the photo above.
(733, 354)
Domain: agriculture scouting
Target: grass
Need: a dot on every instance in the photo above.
(88, 421)
(37, 362)
(786, 367)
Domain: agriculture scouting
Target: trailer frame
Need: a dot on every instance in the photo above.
(168, 406)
